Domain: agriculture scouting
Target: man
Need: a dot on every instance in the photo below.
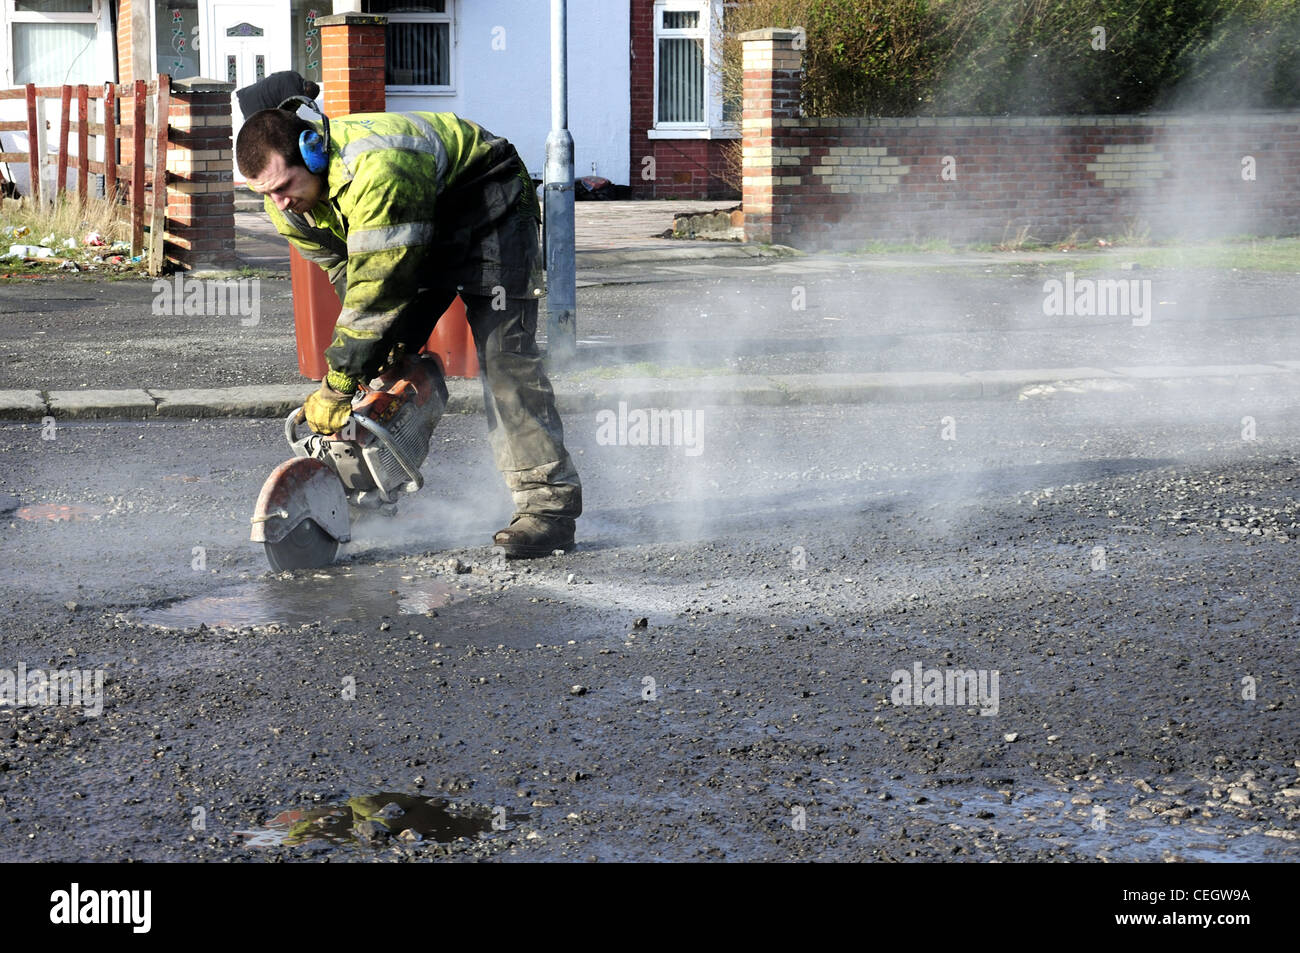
(407, 210)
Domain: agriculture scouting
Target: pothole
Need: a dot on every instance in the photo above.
(375, 820)
(329, 595)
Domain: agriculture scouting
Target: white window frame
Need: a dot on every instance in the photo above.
(98, 16)
(710, 31)
(448, 17)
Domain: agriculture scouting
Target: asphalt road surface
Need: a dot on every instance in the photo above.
(719, 671)
(798, 316)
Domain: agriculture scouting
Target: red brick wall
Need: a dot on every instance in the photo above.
(125, 59)
(681, 168)
(839, 183)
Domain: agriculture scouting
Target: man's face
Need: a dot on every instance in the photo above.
(291, 189)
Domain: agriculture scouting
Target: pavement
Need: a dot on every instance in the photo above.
(620, 244)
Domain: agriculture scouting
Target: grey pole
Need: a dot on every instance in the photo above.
(561, 281)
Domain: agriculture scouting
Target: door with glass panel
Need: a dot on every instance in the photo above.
(246, 42)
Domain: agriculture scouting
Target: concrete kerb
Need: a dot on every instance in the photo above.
(21, 405)
(466, 396)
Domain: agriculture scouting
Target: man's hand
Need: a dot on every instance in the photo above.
(328, 410)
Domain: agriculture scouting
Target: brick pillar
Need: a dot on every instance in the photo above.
(133, 39)
(352, 63)
(200, 181)
(771, 93)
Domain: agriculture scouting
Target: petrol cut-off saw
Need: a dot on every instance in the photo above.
(304, 510)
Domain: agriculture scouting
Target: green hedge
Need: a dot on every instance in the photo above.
(1033, 57)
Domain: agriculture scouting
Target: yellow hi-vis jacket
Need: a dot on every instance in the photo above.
(414, 200)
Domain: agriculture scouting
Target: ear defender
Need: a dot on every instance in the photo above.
(312, 147)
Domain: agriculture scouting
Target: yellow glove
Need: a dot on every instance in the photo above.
(327, 410)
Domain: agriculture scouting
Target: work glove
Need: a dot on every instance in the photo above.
(329, 408)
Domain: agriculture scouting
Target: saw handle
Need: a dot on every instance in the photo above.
(297, 417)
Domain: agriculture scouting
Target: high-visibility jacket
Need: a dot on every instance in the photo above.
(414, 200)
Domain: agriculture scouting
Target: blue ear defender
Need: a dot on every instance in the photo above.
(314, 146)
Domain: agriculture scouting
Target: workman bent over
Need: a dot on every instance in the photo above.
(404, 211)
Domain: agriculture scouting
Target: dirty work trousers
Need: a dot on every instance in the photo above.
(523, 425)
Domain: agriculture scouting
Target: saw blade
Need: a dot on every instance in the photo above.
(301, 515)
(307, 546)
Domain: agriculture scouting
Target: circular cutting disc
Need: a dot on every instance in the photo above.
(306, 547)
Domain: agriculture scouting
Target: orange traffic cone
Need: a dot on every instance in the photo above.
(453, 342)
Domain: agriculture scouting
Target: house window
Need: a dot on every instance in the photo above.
(687, 69)
(680, 41)
(176, 37)
(419, 43)
(53, 42)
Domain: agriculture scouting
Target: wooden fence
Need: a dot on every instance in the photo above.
(136, 184)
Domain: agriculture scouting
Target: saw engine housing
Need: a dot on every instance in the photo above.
(378, 454)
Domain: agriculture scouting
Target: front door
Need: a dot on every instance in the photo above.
(248, 41)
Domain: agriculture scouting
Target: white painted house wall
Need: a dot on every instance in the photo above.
(508, 90)
(101, 65)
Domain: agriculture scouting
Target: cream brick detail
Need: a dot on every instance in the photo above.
(860, 169)
(1128, 166)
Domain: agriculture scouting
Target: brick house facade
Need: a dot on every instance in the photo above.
(674, 162)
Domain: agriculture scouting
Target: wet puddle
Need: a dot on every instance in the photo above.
(332, 595)
(372, 820)
(1102, 827)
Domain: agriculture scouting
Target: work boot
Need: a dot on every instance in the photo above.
(529, 536)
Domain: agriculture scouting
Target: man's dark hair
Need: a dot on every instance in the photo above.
(269, 132)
